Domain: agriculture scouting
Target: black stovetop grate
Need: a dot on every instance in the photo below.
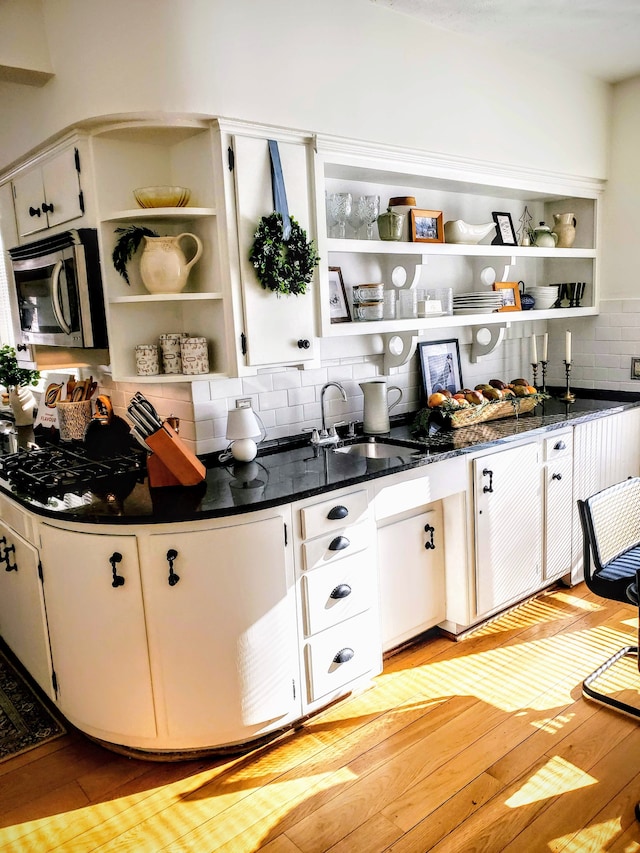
(55, 470)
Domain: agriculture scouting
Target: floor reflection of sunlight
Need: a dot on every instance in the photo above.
(591, 838)
(558, 776)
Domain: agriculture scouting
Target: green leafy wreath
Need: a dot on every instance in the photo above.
(282, 266)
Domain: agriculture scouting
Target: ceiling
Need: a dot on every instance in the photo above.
(599, 37)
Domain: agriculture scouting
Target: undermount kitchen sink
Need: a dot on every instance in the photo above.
(373, 449)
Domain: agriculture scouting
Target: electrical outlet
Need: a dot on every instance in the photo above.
(635, 368)
(243, 403)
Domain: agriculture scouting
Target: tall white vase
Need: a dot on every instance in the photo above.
(22, 404)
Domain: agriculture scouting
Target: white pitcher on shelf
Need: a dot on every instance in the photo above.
(163, 266)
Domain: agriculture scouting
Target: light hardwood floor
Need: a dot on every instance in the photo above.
(480, 745)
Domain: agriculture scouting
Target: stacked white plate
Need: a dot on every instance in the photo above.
(477, 302)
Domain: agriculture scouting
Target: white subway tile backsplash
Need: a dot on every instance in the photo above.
(273, 400)
(313, 377)
(226, 388)
(286, 380)
(340, 373)
(300, 396)
(289, 415)
(607, 333)
(257, 384)
(200, 391)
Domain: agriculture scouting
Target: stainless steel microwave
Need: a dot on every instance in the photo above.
(59, 290)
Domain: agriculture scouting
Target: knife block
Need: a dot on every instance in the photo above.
(172, 463)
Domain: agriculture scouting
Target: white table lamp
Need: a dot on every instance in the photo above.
(242, 429)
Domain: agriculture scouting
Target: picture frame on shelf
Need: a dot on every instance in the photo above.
(425, 226)
(510, 295)
(440, 366)
(505, 232)
(338, 305)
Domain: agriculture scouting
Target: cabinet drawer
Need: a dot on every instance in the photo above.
(336, 546)
(333, 514)
(341, 591)
(17, 519)
(342, 654)
(560, 444)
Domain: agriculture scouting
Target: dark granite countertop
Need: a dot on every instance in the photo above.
(290, 470)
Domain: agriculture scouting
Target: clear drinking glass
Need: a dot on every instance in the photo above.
(357, 217)
(372, 211)
(338, 210)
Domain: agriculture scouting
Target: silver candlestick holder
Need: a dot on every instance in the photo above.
(568, 396)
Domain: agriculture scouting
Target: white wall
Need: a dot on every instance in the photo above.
(619, 271)
(346, 67)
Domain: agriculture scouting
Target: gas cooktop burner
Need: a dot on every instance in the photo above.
(54, 470)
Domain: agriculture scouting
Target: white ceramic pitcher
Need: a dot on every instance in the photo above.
(163, 266)
(376, 405)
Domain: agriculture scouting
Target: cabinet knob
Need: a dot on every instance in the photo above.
(344, 655)
(337, 512)
(173, 577)
(34, 211)
(560, 445)
(429, 544)
(488, 473)
(303, 343)
(114, 559)
(556, 476)
(47, 208)
(339, 543)
(343, 590)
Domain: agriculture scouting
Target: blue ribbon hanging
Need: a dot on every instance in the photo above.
(279, 193)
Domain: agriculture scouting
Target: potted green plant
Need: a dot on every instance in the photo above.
(16, 380)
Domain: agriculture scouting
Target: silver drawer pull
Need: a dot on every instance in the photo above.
(343, 590)
(339, 543)
(560, 445)
(344, 655)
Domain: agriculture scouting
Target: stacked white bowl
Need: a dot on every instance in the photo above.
(545, 295)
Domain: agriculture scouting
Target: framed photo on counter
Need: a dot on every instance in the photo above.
(440, 366)
(338, 305)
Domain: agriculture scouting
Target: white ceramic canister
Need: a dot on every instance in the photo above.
(195, 356)
(403, 204)
(171, 351)
(147, 360)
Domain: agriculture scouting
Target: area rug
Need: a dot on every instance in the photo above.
(25, 722)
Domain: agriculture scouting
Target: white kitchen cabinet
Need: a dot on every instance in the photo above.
(508, 526)
(606, 451)
(97, 631)
(337, 595)
(23, 624)
(50, 193)
(143, 153)
(411, 555)
(278, 329)
(221, 623)
(558, 504)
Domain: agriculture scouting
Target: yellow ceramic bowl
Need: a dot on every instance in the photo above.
(162, 196)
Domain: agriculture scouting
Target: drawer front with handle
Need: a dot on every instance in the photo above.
(343, 590)
(559, 444)
(336, 546)
(333, 514)
(341, 654)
